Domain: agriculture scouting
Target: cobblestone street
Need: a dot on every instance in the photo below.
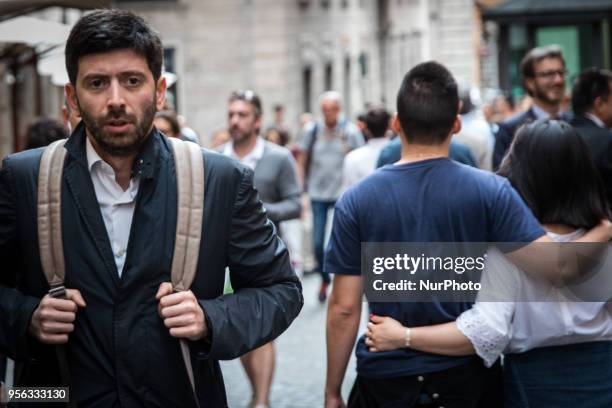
(299, 378)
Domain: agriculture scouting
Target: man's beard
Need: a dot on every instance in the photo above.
(130, 141)
(240, 136)
(541, 93)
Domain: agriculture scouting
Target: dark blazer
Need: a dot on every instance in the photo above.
(120, 353)
(599, 141)
(505, 134)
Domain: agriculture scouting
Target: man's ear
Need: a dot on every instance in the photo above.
(529, 85)
(71, 97)
(456, 125)
(396, 126)
(258, 122)
(160, 93)
(597, 103)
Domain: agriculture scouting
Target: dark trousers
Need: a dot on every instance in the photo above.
(320, 209)
(471, 385)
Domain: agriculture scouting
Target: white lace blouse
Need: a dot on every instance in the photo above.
(515, 325)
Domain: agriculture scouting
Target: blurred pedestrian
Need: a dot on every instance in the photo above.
(592, 106)
(543, 72)
(475, 132)
(277, 136)
(219, 138)
(276, 181)
(503, 108)
(166, 121)
(187, 133)
(44, 131)
(361, 162)
(324, 146)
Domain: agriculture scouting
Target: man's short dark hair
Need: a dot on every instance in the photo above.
(377, 121)
(44, 131)
(592, 83)
(250, 97)
(427, 103)
(535, 55)
(109, 30)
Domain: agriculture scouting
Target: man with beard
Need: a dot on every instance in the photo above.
(120, 321)
(543, 71)
(277, 184)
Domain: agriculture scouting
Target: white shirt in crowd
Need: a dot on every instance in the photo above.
(515, 323)
(361, 162)
(249, 159)
(116, 205)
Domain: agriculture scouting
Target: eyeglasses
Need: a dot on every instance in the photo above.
(552, 74)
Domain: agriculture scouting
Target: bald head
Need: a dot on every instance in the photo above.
(330, 107)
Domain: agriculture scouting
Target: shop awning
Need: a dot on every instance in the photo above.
(519, 9)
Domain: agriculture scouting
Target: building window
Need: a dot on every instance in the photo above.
(325, 4)
(329, 76)
(347, 85)
(303, 4)
(170, 66)
(363, 64)
(344, 3)
(307, 88)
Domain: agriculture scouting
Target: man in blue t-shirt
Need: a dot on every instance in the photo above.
(425, 197)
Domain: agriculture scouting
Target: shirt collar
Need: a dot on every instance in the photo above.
(253, 156)
(595, 119)
(539, 112)
(92, 156)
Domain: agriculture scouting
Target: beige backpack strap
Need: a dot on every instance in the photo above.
(49, 216)
(50, 243)
(189, 167)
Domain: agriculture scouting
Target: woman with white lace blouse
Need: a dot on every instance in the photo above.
(558, 350)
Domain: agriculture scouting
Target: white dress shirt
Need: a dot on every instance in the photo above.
(556, 318)
(361, 162)
(116, 205)
(249, 159)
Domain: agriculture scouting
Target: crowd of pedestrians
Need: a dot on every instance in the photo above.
(424, 174)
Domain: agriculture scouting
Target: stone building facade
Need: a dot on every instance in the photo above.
(290, 51)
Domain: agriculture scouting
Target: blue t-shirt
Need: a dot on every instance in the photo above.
(435, 200)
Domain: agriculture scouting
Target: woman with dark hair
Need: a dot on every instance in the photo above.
(558, 350)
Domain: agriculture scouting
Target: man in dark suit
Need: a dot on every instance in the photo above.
(592, 106)
(120, 322)
(543, 71)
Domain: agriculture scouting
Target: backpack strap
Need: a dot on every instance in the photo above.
(50, 243)
(49, 218)
(189, 167)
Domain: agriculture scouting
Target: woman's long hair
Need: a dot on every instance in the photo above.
(552, 169)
